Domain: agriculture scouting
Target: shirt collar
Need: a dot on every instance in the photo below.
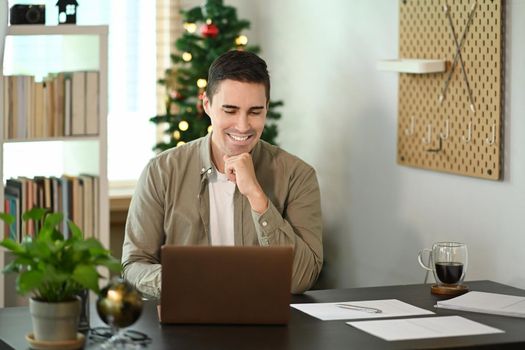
(205, 155)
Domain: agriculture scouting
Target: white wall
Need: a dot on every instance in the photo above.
(340, 115)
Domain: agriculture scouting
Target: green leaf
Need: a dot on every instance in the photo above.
(11, 245)
(39, 249)
(56, 235)
(23, 260)
(54, 276)
(34, 214)
(44, 235)
(53, 219)
(29, 280)
(110, 262)
(76, 233)
(87, 276)
(91, 246)
(7, 218)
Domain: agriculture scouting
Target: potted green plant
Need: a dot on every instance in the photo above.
(54, 270)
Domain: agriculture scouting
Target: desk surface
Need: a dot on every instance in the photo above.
(303, 331)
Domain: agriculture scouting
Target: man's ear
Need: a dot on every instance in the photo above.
(206, 103)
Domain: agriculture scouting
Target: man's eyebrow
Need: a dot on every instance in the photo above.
(237, 107)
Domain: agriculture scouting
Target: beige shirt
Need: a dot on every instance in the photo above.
(171, 206)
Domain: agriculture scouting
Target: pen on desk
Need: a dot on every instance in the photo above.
(371, 310)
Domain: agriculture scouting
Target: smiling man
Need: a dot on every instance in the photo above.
(227, 188)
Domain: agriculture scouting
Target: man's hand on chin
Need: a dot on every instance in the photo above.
(239, 169)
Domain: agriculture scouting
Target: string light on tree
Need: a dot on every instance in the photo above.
(190, 27)
(176, 135)
(210, 128)
(184, 125)
(186, 56)
(202, 83)
(241, 40)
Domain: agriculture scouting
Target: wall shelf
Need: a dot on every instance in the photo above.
(413, 66)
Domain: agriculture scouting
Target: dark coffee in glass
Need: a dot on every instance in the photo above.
(449, 272)
(448, 262)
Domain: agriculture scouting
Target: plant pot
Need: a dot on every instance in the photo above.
(54, 321)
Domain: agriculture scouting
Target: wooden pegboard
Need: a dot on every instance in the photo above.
(425, 33)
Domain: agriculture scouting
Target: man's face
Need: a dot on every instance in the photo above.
(238, 114)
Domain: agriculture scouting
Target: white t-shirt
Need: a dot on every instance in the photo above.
(221, 209)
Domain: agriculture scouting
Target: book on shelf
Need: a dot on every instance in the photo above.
(78, 103)
(11, 205)
(7, 228)
(68, 93)
(92, 103)
(88, 206)
(59, 101)
(78, 201)
(24, 105)
(67, 203)
(49, 107)
(5, 111)
(13, 191)
(36, 119)
(25, 200)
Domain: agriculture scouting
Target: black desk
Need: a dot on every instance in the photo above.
(303, 331)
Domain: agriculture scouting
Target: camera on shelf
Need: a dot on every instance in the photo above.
(28, 14)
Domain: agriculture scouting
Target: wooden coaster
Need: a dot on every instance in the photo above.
(449, 290)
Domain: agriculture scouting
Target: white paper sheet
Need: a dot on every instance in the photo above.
(389, 308)
(490, 303)
(423, 328)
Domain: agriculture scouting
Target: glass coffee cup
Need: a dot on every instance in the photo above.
(448, 262)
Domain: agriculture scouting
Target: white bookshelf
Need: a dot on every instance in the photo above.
(73, 154)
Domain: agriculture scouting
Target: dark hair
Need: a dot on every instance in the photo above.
(238, 65)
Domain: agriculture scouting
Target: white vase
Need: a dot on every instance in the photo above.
(54, 321)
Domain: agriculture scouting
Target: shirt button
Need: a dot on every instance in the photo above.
(209, 171)
(264, 223)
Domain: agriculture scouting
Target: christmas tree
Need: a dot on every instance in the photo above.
(209, 31)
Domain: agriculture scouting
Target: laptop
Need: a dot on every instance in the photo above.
(225, 285)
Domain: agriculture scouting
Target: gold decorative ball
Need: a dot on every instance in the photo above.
(119, 304)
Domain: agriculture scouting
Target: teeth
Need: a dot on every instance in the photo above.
(237, 138)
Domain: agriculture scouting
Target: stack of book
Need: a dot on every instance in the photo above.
(75, 196)
(63, 104)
